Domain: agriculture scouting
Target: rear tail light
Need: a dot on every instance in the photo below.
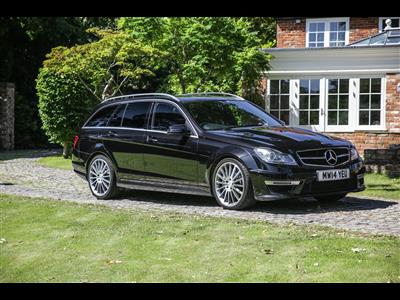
(76, 139)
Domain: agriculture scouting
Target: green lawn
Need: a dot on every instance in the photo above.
(379, 185)
(56, 162)
(55, 241)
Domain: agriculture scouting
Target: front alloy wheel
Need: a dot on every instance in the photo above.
(101, 178)
(231, 185)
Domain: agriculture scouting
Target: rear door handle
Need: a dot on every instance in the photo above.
(112, 133)
(151, 139)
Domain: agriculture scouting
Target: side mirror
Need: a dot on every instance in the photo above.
(178, 129)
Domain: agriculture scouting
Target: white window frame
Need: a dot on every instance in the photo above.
(354, 97)
(327, 31)
(383, 19)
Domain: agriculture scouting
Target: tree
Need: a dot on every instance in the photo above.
(74, 79)
(204, 53)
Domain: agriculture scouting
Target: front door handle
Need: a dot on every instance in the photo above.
(151, 139)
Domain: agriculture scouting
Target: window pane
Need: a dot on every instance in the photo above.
(303, 102)
(332, 117)
(100, 119)
(344, 86)
(304, 86)
(320, 37)
(313, 27)
(135, 115)
(375, 85)
(312, 37)
(343, 102)
(375, 101)
(274, 86)
(314, 102)
(284, 102)
(375, 117)
(333, 26)
(343, 117)
(312, 45)
(274, 102)
(285, 116)
(303, 118)
(165, 116)
(321, 26)
(116, 118)
(275, 113)
(364, 85)
(284, 86)
(333, 85)
(364, 101)
(314, 117)
(341, 36)
(314, 86)
(332, 102)
(342, 26)
(364, 117)
(333, 36)
(320, 45)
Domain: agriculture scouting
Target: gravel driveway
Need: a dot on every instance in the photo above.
(25, 177)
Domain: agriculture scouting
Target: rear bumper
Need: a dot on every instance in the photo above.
(297, 182)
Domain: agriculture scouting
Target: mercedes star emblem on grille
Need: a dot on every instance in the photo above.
(330, 157)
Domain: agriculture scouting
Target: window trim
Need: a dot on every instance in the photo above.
(384, 18)
(327, 31)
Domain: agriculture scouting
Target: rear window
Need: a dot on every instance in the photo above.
(136, 115)
(100, 119)
(116, 118)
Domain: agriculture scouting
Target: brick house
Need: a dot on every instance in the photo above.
(340, 76)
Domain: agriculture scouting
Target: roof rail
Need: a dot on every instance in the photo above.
(133, 96)
(213, 93)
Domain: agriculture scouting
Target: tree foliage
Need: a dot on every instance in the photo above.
(204, 53)
(74, 79)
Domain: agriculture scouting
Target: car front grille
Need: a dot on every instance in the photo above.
(318, 157)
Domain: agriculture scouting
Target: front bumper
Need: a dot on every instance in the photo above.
(294, 182)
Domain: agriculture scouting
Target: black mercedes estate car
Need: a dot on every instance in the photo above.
(210, 144)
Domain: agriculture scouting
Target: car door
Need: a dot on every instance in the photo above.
(170, 158)
(126, 137)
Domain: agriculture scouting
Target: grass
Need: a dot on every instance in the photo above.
(7, 155)
(379, 185)
(57, 162)
(56, 241)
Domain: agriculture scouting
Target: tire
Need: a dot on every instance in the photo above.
(330, 198)
(232, 194)
(100, 171)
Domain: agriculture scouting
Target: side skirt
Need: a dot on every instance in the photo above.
(162, 187)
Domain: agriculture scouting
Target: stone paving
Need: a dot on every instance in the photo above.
(25, 177)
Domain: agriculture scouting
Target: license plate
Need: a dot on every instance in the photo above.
(331, 175)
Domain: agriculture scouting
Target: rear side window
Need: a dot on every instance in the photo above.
(166, 115)
(136, 115)
(116, 118)
(100, 119)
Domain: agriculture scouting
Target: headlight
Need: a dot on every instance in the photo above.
(354, 154)
(274, 156)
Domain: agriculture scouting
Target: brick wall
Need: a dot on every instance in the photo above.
(6, 116)
(363, 27)
(381, 140)
(290, 34)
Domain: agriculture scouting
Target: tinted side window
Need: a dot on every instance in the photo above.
(166, 115)
(116, 118)
(100, 119)
(135, 115)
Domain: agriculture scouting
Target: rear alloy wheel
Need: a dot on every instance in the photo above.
(231, 185)
(101, 178)
(330, 198)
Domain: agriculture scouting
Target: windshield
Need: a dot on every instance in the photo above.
(224, 114)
